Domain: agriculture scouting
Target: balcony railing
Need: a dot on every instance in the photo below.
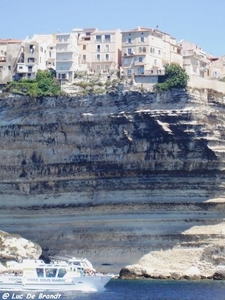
(103, 41)
(139, 63)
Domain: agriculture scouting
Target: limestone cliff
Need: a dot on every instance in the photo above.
(15, 247)
(115, 177)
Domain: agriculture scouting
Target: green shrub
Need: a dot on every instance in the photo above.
(175, 77)
(44, 85)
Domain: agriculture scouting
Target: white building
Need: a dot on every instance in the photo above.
(34, 56)
(66, 55)
(195, 59)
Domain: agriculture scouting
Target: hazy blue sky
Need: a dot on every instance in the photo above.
(198, 21)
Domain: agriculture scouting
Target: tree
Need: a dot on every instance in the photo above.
(175, 77)
(44, 85)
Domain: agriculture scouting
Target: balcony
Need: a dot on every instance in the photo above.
(129, 54)
(139, 63)
(103, 41)
(65, 49)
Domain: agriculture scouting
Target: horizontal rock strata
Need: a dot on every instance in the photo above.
(116, 177)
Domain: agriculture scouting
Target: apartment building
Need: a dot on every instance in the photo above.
(217, 67)
(10, 54)
(105, 47)
(66, 55)
(195, 59)
(84, 48)
(146, 51)
(51, 55)
(34, 56)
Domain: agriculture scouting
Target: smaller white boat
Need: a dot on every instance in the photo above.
(71, 274)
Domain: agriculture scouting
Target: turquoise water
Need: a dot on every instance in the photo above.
(137, 289)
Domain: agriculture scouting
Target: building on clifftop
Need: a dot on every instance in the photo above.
(146, 51)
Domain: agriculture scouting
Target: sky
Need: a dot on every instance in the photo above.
(199, 21)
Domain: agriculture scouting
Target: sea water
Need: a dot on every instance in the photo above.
(134, 290)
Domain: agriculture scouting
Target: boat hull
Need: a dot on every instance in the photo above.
(84, 283)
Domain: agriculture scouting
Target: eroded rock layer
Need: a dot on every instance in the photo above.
(116, 176)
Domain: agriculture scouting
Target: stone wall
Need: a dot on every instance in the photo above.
(203, 83)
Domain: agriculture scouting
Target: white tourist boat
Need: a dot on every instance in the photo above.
(71, 274)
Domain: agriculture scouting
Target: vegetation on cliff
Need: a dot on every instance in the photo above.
(44, 85)
(175, 77)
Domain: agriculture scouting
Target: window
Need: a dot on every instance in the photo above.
(98, 38)
(84, 47)
(140, 58)
(98, 57)
(98, 67)
(107, 57)
(129, 40)
(125, 61)
(107, 38)
(107, 48)
(159, 52)
(61, 272)
(140, 49)
(40, 272)
(29, 69)
(32, 49)
(129, 50)
(155, 62)
(50, 272)
(152, 50)
(41, 49)
(144, 49)
(30, 60)
(84, 58)
(106, 67)
(141, 71)
(9, 67)
(129, 72)
(98, 48)
(142, 39)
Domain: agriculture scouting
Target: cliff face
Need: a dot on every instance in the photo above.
(114, 177)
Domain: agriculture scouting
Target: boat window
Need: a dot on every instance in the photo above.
(50, 272)
(61, 273)
(40, 272)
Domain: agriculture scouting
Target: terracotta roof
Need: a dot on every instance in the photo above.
(10, 41)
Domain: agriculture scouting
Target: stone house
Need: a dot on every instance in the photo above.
(10, 55)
